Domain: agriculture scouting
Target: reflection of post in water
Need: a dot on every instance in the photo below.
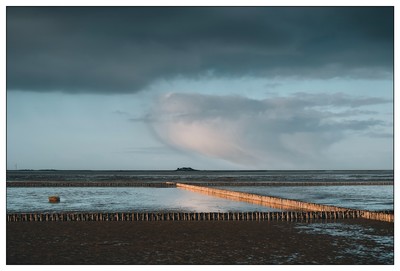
(269, 201)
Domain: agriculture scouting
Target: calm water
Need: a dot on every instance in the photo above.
(376, 197)
(116, 199)
(364, 197)
(204, 176)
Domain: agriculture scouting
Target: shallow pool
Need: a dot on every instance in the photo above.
(118, 199)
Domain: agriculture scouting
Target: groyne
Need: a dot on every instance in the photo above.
(270, 201)
(282, 203)
(181, 216)
(216, 183)
(89, 184)
(377, 216)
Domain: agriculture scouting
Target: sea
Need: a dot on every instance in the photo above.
(374, 197)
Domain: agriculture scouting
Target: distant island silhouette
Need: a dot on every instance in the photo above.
(185, 169)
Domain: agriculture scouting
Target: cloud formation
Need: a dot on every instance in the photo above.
(125, 49)
(277, 132)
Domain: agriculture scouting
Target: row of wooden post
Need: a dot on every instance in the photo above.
(179, 216)
(275, 202)
(88, 184)
(381, 216)
(288, 183)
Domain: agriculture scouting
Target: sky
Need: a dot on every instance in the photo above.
(258, 88)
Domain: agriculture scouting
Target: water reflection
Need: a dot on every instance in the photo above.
(364, 197)
(121, 199)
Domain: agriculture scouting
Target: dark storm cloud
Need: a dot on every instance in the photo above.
(124, 49)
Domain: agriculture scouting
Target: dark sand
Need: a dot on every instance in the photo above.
(201, 242)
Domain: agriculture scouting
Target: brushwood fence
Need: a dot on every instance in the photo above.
(217, 183)
(181, 216)
(89, 184)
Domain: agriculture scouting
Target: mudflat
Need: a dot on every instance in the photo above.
(200, 242)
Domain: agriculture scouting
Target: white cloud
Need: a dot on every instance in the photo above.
(281, 132)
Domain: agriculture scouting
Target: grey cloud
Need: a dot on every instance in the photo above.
(125, 49)
(273, 131)
(272, 85)
(297, 106)
(335, 99)
(348, 113)
(380, 135)
(149, 150)
(121, 113)
(145, 118)
(354, 125)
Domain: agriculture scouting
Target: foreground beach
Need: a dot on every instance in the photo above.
(201, 242)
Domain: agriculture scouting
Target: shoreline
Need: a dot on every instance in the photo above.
(173, 185)
(194, 242)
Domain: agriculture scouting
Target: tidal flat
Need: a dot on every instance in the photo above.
(350, 241)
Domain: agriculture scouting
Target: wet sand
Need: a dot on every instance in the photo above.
(200, 242)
